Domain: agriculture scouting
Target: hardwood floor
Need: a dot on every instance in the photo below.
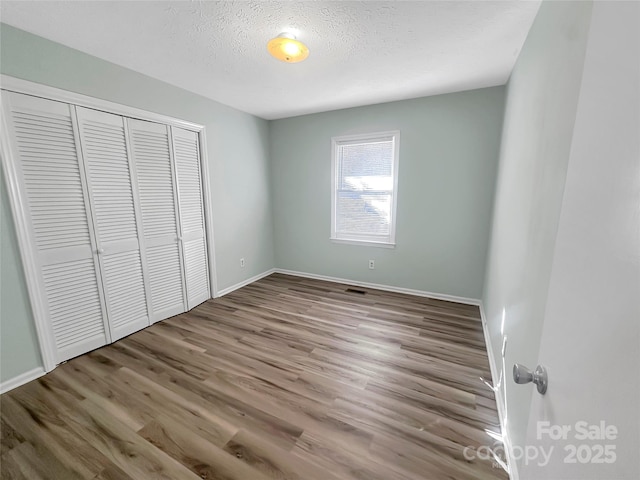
(287, 378)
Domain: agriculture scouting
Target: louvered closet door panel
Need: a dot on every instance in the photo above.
(53, 187)
(151, 150)
(105, 150)
(190, 200)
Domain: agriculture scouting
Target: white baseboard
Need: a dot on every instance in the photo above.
(244, 283)
(21, 379)
(508, 447)
(388, 288)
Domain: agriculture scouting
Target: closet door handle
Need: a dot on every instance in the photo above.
(100, 251)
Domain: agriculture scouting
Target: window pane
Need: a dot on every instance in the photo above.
(366, 166)
(363, 213)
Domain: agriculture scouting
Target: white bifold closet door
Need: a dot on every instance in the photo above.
(53, 190)
(154, 170)
(116, 218)
(114, 210)
(192, 223)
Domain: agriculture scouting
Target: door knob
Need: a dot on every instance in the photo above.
(522, 374)
(100, 250)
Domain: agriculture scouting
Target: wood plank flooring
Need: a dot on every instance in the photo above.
(287, 378)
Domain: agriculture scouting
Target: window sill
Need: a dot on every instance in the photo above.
(364, 243)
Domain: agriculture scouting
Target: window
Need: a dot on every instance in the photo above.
(364, 188)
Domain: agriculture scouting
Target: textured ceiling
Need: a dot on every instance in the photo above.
(361, 52)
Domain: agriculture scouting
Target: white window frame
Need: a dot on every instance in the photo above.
(364, 239)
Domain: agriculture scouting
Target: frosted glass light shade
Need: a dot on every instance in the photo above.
(287, 49)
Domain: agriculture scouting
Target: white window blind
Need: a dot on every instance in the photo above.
(365, 169)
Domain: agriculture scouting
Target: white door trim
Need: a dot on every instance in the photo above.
(208, 214)
(20, 214)
(51, 93)
(25, 242)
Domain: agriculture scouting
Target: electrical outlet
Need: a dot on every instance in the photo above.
(372, 264)
(242, 263)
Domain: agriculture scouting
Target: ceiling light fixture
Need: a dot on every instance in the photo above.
(286, 48)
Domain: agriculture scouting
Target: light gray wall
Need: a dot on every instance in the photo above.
(591, 330)
(448, 155)
(542, 96)
(237, 153)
